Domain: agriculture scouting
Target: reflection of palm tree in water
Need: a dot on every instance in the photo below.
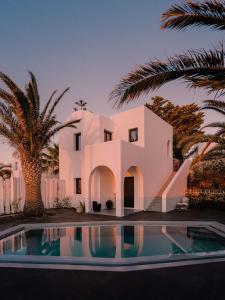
(38, 242)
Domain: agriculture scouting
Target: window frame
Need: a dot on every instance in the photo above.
(130, 131)
(106, 132)
(78, 190)
(77, 145)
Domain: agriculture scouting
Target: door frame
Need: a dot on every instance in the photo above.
(133, 188)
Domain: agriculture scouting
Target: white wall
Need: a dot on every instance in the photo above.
(176, 189)
(149, 153)
(133, 118)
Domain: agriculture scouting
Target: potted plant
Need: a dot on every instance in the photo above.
(96, 206)
(81, 208)
(109, 204)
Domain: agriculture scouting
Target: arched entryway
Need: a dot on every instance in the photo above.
(102, 186)
(133, 188)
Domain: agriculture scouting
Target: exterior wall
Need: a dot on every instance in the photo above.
(133, 118)
(176, 189)
(71, 162)
(149, 159)
(160, 165)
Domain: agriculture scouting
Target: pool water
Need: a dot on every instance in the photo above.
(113, 241)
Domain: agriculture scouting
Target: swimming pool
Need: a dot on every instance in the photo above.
(111, 244)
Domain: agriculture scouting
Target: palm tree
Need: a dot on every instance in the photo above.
(198, 68)
(201, 68)
(28, 129)
(209, 13)
(50, 159)
(209, 160)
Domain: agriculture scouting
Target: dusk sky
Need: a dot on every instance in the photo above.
(89, 45)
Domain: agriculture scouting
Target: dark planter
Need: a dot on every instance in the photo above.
(96, 206)
(109, 204)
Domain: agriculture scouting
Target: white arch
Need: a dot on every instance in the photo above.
(102, 185)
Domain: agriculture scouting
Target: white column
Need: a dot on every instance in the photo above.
(87, 193)
(119, 196)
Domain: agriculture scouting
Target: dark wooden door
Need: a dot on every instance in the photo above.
(129, 192)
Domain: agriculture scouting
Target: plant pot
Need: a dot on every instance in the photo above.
(96, 206)
(109, 204)
(79, 210)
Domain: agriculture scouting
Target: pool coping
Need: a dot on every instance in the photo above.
(116, 264)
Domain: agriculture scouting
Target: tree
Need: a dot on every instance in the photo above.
(28, 129)
(211, 161)
(198, 68)
(50, 159)
(186, 120)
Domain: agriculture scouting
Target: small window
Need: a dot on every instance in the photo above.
(77, 182)
(107, 136)
(77, 140)
(133, 135)
(16, 166)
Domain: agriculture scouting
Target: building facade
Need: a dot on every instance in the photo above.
(126, 158)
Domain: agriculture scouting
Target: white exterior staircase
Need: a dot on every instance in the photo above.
(156, 204)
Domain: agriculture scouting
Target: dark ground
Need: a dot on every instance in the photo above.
(190, 282)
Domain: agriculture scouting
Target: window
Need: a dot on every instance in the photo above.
(77, 182)
(133, 135)
(107, 136)
(77, 140)
(16, 166)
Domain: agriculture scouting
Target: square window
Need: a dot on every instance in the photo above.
(107, 136)
(77, 186)
(133, 135)
(77, 141)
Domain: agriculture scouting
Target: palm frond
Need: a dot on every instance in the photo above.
(56, 102)
(217, 105)
(42, 114)
(194, 67)
(210, 13)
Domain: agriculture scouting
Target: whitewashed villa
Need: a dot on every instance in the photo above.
(126, 158)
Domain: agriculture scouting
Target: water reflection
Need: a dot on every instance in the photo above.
(114, 241)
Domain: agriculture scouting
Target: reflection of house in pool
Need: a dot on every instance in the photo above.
(112, 241)
(126, 158)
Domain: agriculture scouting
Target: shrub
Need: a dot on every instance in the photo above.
(57, 203)
(66, 202)
(203, 203)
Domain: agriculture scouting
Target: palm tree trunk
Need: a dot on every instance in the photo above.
(32, 179)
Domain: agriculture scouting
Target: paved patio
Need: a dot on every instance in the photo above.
(112, 212)
(69, 215)
(204, 281)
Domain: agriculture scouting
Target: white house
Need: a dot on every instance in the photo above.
(126, 158)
